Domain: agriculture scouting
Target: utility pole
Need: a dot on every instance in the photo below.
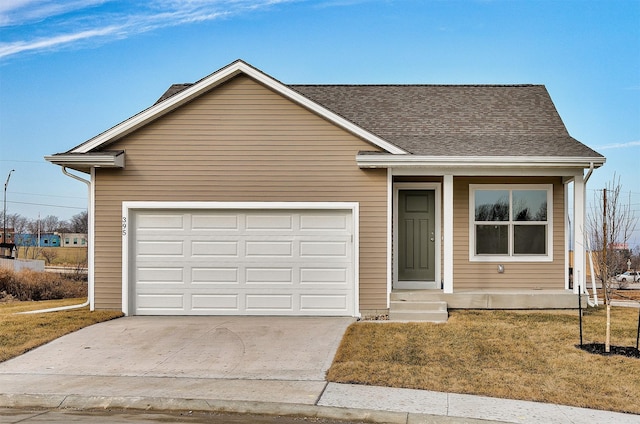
(5, 245)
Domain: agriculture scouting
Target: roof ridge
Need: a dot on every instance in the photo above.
(415, 85)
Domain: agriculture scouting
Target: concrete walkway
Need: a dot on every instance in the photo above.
(240, 364)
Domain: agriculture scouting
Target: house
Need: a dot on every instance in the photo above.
(37, 240)
(239, 194)
(7, 246)
(73, 239)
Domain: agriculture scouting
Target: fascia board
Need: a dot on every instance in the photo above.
(98, 161)
(400, 161)
(218, 78)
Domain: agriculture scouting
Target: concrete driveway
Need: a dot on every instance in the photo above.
(235, 358)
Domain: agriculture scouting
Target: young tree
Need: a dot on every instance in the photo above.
(80, 222)
(609, 225)
(49, 255)
(49, 224)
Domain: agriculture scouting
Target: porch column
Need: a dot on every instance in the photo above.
(579, 251)
(447, 236)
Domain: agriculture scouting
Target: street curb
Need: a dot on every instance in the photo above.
(156, 404)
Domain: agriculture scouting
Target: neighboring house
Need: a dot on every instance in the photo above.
(42, 240)
(73, 239)
(7, 247)
(243, 195)
(10, 233)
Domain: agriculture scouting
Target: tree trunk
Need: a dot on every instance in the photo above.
(607, 342)
(605, 275)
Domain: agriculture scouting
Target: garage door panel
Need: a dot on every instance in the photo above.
(221, 276)
(269, 222)
(324, 275)
(324, 248)
(244, 262)
(150, 221)
(269, 248)
(155, 302)
(269, 275)
(269, 302)
(215, 248)
(160, 248)
(213, 222)
(323, 222)
(160, 275)
(319, 302)
(215, 303)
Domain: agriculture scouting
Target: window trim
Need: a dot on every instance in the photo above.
(510, 257)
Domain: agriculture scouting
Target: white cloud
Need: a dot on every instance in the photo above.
(21, 12)
(8, 49)
(65, 23)
(618, 145)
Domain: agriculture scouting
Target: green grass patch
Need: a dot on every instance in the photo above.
(514, 355)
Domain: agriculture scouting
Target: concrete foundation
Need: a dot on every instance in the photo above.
(495, 299)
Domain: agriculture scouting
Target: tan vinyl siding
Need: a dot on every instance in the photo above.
(241, 142)
(517, 275)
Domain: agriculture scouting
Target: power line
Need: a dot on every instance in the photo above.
(42, 162)
(47, 195)
(51, 206)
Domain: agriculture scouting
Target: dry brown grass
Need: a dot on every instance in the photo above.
(527, 356)
(64, 256)
(21, 333)
(27, 284)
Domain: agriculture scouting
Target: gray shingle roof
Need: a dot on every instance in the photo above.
(174, 89)
(451, 120)
(455, 120)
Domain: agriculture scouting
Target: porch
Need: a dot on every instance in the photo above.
(492, 298)
(433, 305)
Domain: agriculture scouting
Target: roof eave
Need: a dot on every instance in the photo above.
(84, 162)
(466, 162)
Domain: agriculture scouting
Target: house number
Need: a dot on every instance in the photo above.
(124, 226)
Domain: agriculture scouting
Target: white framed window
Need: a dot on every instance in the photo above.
(511, 222)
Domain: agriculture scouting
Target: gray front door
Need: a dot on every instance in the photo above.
(416, 235)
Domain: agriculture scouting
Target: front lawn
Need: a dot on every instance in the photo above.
(21, 333)
(516, 355)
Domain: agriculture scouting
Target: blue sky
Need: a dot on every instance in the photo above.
(70, 70)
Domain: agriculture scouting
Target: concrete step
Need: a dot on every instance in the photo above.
(418, 311)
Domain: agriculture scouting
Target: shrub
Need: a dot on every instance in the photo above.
(32, 285)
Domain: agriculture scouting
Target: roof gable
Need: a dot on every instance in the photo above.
(186, 92)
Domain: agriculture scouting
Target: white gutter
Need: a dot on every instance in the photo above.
(399, 161)
(104, 160)
(89, 259)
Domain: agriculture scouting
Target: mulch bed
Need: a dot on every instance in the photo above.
(599, 349)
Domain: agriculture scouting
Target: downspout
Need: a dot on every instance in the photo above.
(593, 302)
(89, 254)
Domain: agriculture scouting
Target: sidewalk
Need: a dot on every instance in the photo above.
(334, 401)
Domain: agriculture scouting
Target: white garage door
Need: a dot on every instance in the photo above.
(243, 262)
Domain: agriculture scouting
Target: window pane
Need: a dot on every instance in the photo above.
(529, 239)
(492, 205)
(529, 205)
(492, 239)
